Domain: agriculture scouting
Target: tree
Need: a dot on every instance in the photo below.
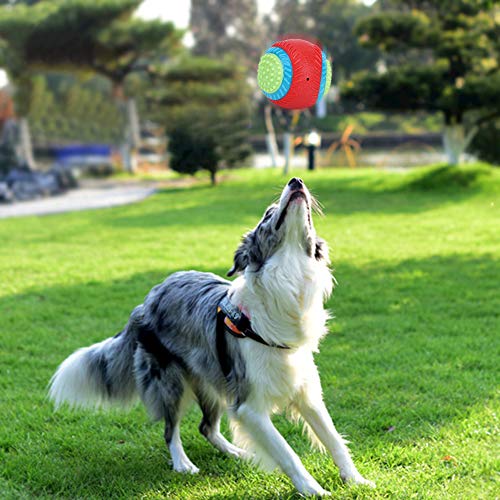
(332, 23)
(77, 35)
(65, 108)
(191, 152)
(128, 45)
(291, 16)
(451, 53)
(334, 26)
(486, 143)
(204, 105)
(226, 26)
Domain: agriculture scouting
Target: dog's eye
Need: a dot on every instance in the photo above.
(268, 214)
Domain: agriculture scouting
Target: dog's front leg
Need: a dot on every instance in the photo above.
(316, 415)
(262, 430)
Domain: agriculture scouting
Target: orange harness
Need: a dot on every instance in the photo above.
(233, 320)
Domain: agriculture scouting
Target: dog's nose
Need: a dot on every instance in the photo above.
(296, 183)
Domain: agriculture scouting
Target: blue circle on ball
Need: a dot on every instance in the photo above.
(287, 74)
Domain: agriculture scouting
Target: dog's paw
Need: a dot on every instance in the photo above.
(186, 467)
(312, 488)
(236, 452)
(319, 492)
(316, 493)
(357, 480)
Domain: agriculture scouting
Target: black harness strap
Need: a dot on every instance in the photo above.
(231, 319)
(221, 346)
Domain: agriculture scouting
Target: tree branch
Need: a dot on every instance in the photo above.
(487, 118)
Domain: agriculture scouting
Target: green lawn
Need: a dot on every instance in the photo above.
(410, 368)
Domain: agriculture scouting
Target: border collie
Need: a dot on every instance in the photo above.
(244, 346)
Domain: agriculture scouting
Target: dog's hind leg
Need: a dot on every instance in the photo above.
(166, 393)
(174, 408)
(180, 460)
(213, 409)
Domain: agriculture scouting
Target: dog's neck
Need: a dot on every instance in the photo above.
(284, 300)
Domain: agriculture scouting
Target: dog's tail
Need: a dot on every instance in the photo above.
(100, 375)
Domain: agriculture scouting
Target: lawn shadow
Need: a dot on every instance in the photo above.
(413, 345)
(411, 350)
(373, 194)
(344, 195)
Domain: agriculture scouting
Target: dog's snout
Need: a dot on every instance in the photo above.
(296, 183)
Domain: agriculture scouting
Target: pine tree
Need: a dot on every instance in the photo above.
(204, 105)
(221, 27)
(448, 54)
(77, 35)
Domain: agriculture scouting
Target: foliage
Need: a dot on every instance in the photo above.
(409, 368)
(203, 104)
(227, 27)
(332, 23)
(451, 51)
(334, 26)
(486, 143)
(58, 32)
(190, 152)
(81, 35)
(65, 109)
(127, 42)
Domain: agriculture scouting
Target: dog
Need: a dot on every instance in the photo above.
(244, 346)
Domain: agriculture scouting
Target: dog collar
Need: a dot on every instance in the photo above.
(233, 320)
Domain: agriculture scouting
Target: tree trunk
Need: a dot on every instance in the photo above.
(131, 139)
(133, 122)
(272, 144)
(455, 141)
(213, 177)
(287, 150)
(24, 146)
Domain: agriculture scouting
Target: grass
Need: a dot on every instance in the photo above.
(410, 368)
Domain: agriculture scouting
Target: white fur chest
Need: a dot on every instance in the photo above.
(275, 375)
(285, 306)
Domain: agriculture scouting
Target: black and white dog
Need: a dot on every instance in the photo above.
(245, 345)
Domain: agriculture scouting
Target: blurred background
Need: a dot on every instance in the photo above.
(95, 87)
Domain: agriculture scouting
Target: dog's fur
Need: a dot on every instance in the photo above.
(167, 351)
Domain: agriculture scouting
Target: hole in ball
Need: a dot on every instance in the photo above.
(307, 79)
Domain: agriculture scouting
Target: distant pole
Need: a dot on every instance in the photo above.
(312, 141)
(311, 154)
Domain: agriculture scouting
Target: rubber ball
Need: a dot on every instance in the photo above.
(294, 73)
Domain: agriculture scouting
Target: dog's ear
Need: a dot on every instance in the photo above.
(240, 258)
(321, 250)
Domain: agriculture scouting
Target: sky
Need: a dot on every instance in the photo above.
(178, 10)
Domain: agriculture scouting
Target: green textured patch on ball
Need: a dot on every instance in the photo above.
(270, 73)
(328, 77)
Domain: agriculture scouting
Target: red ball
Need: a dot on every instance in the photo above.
(304, 74)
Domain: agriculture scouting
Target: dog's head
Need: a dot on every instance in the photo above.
(287, 222)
